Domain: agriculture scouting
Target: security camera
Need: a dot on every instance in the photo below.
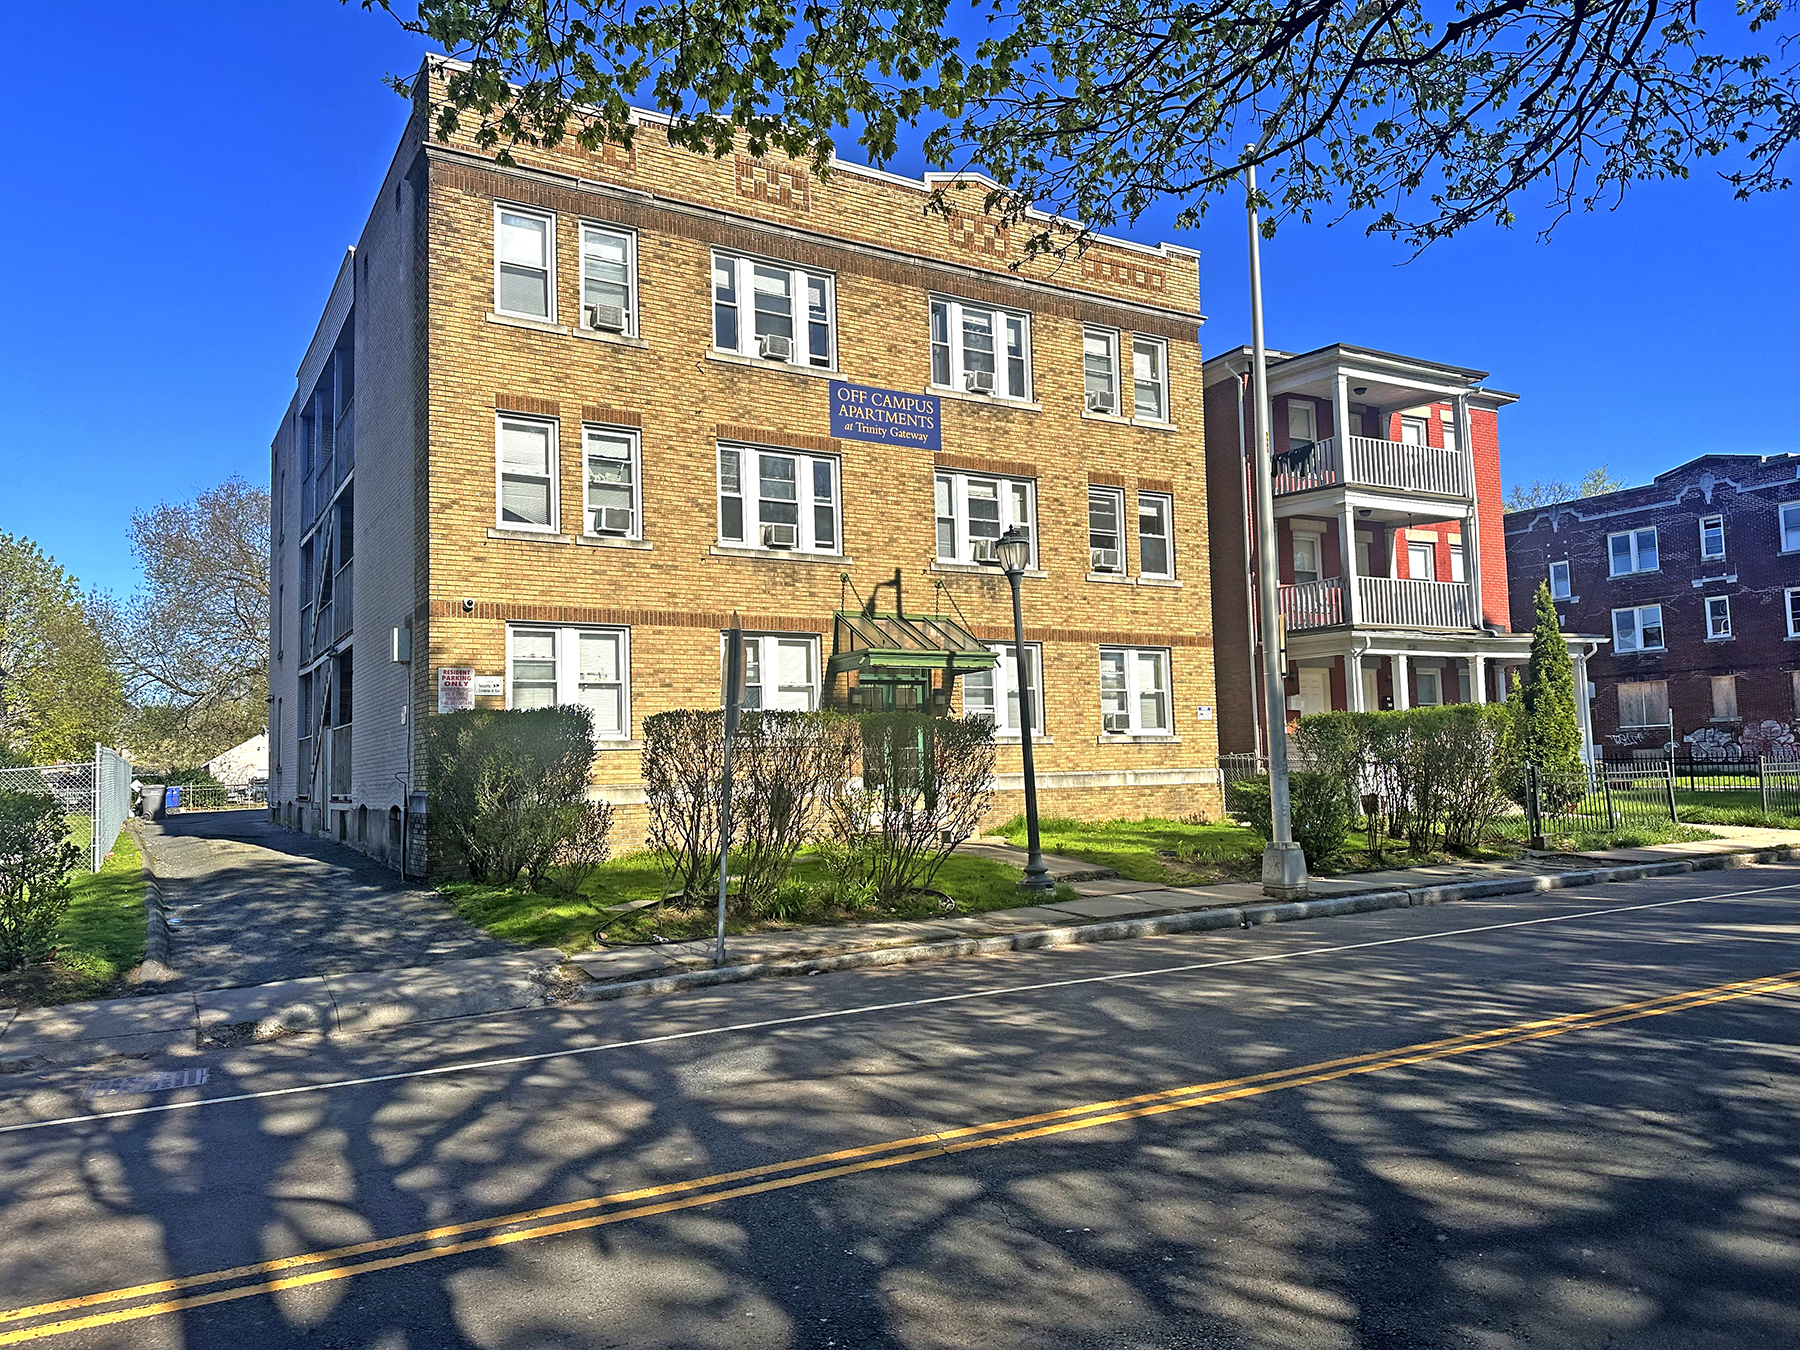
(468, 605)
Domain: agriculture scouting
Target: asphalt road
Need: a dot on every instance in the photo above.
(1559, 1121)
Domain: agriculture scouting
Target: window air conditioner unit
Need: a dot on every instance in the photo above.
(1100, 400)
(774, 347)
(1103, 560)
(781, 536)
(978, 381)
(985, 550)
(613, 519)
(1115, 723)
(606, 318)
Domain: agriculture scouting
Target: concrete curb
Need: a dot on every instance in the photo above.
(158, 963)
(1191, 921)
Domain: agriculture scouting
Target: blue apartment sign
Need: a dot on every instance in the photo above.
(885, 416)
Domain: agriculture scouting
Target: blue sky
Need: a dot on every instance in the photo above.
(173, 239)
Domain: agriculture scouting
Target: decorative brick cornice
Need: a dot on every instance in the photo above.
(512, 612)
(1156, 485)
(1103, 479)
(617, 417)
(525, 403)
(791, 440)
(1101, 637)
(1005, 468)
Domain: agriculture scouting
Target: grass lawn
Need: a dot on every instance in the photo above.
(1731, 808)
(559, 920)
(101, 936)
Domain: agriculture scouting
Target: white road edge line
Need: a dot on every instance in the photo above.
(475, 1066)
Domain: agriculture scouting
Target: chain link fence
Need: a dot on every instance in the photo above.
(96, 796)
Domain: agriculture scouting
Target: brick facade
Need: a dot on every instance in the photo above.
(1758, 656)
(460, 580)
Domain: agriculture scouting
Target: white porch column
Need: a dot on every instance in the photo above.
(1340, 425)
(1477, 680)
(1472, 526)
(1402, 689)
(1353, 685)
(1584, 712)
(1347, 556)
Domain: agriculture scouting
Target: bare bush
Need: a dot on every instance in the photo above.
(586, 845)
(684, 766)
(787, 766)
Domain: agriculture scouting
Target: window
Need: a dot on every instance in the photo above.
(1559, 580)
(1638, 630)
(1134, 691)
(1724, 698)
(1718, 616)
(1631, 551)
(1302, 424)
(1412, 431)
(1306, 558)
(1156, 549)
(772, 311)
(1429, 680)
(608, 280)
(1448, 426)
(1150, 378)
(1644, 704)
(1790, 526)
(524, 263)
(786, 501)
(1106, 530)
(1100, 369)
(612, 482)
(781, 670)
(550, 666)
(981, 350)
(1458, 570)
(978, 688)
(527, 489)
(973, 511)
(1793, 611)
(1712, 536)
(1421, 560)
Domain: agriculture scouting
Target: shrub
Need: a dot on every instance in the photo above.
(785, 768)
(926, 783)
(36, 858)
(587, 844)
(507, 787)
(1319, 808)
(684, 766)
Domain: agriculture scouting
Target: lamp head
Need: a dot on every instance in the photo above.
(1014, 550)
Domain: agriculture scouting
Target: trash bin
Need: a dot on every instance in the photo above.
(172, 798)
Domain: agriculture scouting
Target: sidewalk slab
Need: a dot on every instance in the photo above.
(1116, 906)
(483, 984)
(267, 1010)
(614, 962)
(1107, 886)
(101, 1029)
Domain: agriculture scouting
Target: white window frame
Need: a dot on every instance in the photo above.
(1317, 540)
(1635, 551)
(1447, 425)
(549, 221)
(807, 502)
(1134, 693)
(522, 419)
(1727, 684)
(1459, 570)
(1568, 591)
(768, 647)
(1106, 381)
(1159, 382)
(1310, 415)
(1643, 684)
(589, 524)
(1793, 611)
(567, 638)
(1416, 547)
(1098, 492)
(1636, 629)
(1787, 521)
(1432, 677)
(1718, 617)
(1708, 523)
(1003, 685)
(1167, 503)
(1005, 490)
(952, 345)
(743, 270)
(631, 271)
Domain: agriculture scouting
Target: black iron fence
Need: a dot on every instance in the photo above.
(1604, 797)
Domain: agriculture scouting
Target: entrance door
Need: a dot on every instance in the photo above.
(1315, 690)
(1371, 699)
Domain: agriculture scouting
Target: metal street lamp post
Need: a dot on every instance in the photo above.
(1014, 550)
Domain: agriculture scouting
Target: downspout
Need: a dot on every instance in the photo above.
(1255, 670)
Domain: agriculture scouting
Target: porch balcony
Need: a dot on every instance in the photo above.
(1381, 602)
(1378, 465)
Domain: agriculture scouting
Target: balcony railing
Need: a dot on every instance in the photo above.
(341, 611)
(1393, 466)
(340, 761)
(1385, 602)
(1393, 602)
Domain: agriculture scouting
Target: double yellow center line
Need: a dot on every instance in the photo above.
(157, 1297)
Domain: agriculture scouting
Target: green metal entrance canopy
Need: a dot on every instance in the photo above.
(902, 643)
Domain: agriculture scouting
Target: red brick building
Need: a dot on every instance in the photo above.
(1401, 456)
(1695, 579)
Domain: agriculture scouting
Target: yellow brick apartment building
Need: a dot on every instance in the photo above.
(563, 420)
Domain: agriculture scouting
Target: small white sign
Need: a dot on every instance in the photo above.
(456, 689)
(1204, 712)
(490, 686)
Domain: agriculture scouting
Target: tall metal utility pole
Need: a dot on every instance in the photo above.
(1283, 863)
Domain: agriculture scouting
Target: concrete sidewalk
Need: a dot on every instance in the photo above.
(1106, 907)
